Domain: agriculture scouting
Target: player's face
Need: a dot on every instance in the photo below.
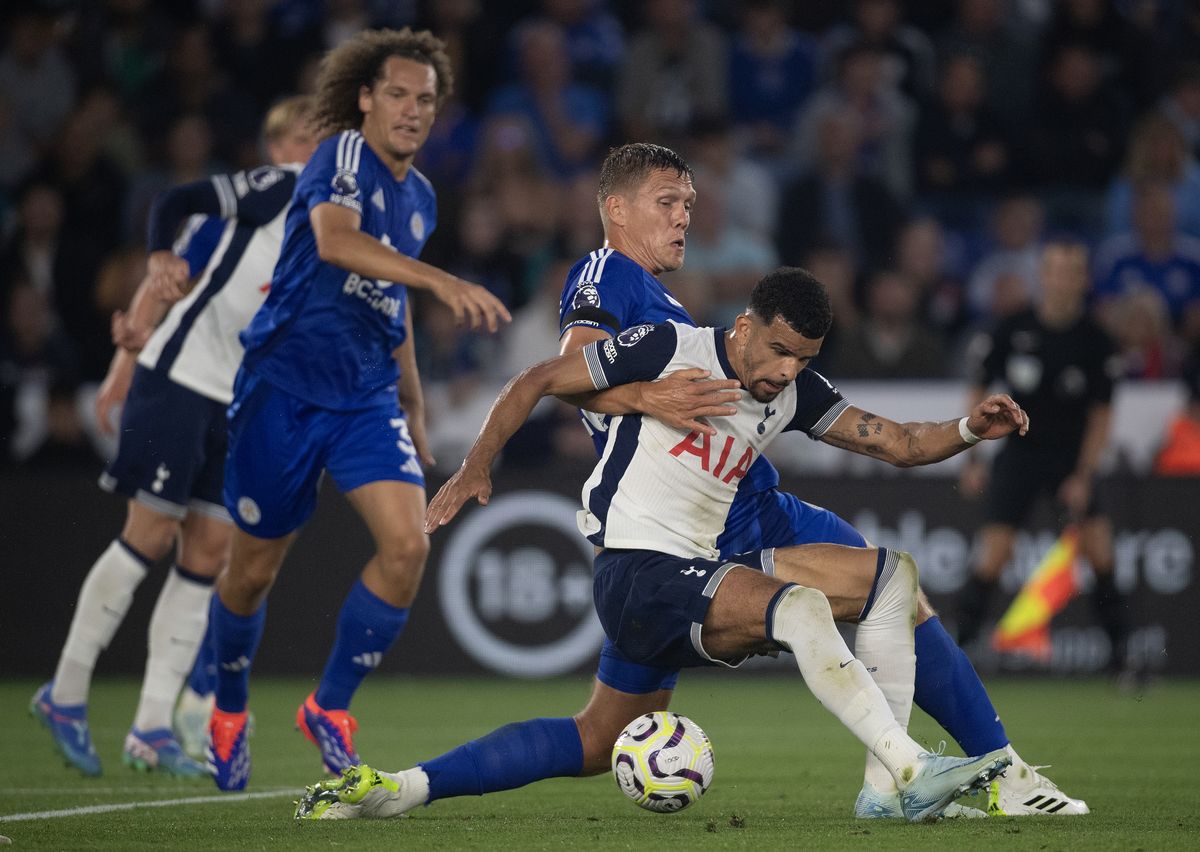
(657, 218)
(771, 355)
(399, 109)
(296, 146)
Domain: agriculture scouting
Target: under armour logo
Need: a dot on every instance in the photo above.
(699, 572)
(160, 476)
(767, 415)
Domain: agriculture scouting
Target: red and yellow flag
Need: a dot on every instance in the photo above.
(1025, 628)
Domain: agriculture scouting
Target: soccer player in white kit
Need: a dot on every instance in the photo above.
(172, 445)
(655, 505)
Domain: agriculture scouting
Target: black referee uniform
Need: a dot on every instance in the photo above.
(1057, 375)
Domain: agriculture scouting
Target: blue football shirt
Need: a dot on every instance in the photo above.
(326, 334)
(608, 291)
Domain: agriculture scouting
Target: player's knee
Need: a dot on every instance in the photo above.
(908, 574)
(207, 558)
(150, 533)
(404, 554)
(804, 604)
(247, 581)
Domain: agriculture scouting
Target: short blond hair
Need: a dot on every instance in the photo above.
(285, 115)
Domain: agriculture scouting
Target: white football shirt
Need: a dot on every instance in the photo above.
(663, 489)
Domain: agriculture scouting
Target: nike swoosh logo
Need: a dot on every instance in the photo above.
(843, 665)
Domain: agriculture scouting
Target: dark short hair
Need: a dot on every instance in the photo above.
(359, 62)
(629, 165)
(795, 295)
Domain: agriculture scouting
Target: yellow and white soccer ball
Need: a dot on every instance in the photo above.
(663, 761)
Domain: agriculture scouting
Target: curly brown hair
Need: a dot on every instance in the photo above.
(359, 62)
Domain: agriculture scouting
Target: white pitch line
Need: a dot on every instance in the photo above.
(155, 803)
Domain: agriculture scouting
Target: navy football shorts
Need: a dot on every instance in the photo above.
(171, 455)
(279, 446)
(652, 605)
(768, 519)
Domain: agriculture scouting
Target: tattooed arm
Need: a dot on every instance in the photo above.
(911, 444)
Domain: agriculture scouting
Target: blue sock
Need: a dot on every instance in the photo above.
(203, 679)
(508, 757)
(366, 628)
(235, 641)
(948, 689)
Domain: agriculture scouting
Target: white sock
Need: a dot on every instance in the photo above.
(885, 645)
(103, 601)
(414, 791)
(176, 630)
(803, 623)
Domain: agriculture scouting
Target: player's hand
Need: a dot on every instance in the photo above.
(997, 416)
(114, 389)
(168, 288)
(168, 274)
(468, 481)
(973, 479)
(420, 439)
(126, 335)
(1075, 493)
(471, 304)
(681, 398)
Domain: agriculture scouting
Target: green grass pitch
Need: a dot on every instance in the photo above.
(786, 774)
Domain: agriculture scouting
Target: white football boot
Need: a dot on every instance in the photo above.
(1023, 791)
(872, 804)
(364, 793)
(191, 720)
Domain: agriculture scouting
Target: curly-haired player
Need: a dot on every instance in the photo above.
(325, 358)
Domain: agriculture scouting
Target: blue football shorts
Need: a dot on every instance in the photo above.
(171, 455)
(280, 445)
(756, 522)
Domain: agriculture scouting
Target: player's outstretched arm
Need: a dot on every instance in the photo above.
(566, 374)
(114, 389)
(678, 400)
(912, 444)
(412, 399)
(165, 283)
(340, 242)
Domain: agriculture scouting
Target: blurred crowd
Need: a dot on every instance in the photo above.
(914, 155)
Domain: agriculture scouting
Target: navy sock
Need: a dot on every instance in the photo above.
(367, 627)
(947, 688)
(508, 757)
(203, 679)
(235, 641)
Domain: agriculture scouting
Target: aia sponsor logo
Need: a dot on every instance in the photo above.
(698, 445)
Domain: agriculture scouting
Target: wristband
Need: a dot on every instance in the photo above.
(966, 434)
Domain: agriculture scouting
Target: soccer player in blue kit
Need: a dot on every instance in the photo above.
(329, 383)
(645, 198)
(175, 381)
